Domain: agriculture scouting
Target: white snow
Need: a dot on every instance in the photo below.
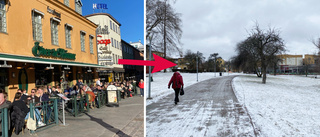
(159, 85)
(284, 106)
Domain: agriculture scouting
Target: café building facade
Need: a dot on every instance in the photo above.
(45, 42)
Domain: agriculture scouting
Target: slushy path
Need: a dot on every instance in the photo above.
(208, 108)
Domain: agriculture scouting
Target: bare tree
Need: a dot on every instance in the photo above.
(191, 57)
(165, 24)
(263, 46)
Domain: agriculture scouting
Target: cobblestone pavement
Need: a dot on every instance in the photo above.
(123, 121)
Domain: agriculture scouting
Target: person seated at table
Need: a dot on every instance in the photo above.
(43, 97)
(54, 91)
(18, 114)
(36, 100)
(123, 91)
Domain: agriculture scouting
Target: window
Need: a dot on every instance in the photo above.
(37, 26)
(3, 20)
(54, 32)
(68, 36)
(116, 29)
(113, 57)
(91, 44)
(113, 27)
(78, 5)
(82, 41)
(110, 24)
(66, 2)
(112, 42)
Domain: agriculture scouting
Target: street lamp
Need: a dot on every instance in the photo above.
(150, 78)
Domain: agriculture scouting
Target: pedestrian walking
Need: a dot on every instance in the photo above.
(177, 83)
(141, 86)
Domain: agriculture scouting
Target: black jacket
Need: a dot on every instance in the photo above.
(18, 114)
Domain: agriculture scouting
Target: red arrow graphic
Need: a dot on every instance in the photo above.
(158, 63)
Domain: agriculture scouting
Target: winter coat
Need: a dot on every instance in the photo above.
(6, 104)
(141, 84)
(19, 112)
(176, 81)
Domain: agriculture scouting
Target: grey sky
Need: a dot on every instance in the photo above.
(216, 26)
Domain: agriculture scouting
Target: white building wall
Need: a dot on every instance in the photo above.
(114, 36)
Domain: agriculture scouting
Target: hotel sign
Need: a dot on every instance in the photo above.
(59, 53)
(99, 6)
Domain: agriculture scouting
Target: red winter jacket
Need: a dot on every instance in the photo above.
(176, 80)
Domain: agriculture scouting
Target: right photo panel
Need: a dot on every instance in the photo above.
(232, 68)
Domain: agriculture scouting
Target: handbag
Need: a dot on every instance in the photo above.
(181, 92)
(31, 123)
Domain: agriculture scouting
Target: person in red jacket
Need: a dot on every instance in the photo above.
(177, 83)
(141, 86)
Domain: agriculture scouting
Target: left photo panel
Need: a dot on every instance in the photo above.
(61, 70)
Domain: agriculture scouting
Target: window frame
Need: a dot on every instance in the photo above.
(3, 23)
(83, 41)
(37, 25)
(52, 21)
(91, 38)
(68, 40)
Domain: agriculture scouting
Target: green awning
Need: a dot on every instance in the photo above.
(26, 59)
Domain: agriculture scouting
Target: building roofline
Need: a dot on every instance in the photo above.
(62, 6)
(130, 45)
(106, 14)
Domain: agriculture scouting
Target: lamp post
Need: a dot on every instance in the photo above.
(197, 64)
(150, 78)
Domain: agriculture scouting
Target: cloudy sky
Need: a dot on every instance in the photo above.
(216, 26)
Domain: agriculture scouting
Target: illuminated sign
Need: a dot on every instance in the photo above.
(103, 41)
(59, 53)
(99, 6)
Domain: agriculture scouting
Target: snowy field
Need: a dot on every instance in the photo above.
(159, 85)
(285, 106)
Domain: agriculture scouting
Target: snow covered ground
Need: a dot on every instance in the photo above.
(284, 106)
(159, 85)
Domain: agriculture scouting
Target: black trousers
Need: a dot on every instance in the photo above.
(176, 90)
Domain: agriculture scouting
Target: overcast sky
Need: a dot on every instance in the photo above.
(216, 26)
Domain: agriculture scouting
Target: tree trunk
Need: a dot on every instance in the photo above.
(275, 69)
(264, 73)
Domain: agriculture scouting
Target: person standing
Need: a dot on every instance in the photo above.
(49, 89)
(141, 86)
(177, 83)
(98, 83)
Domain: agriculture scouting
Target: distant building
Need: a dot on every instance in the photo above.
(137, 45)
(109, 46)
(131, 71)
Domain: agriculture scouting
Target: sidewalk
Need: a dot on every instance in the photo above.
(126, 120)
